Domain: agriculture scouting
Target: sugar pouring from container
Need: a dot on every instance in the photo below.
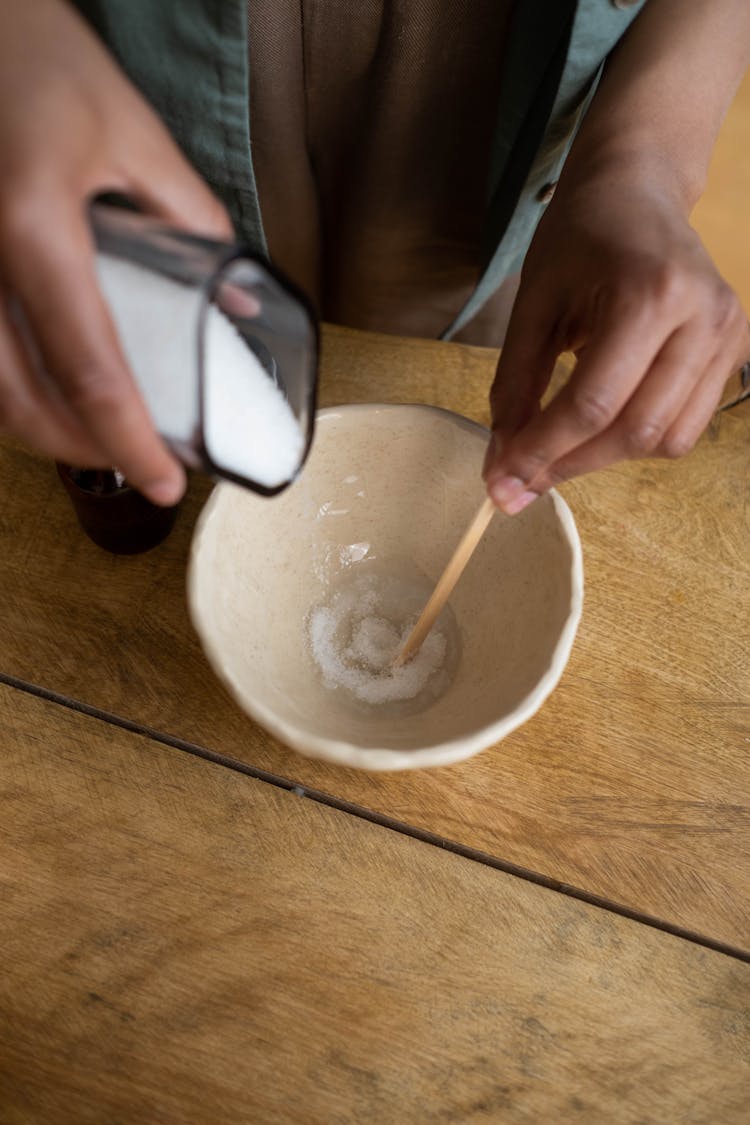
(224, 350)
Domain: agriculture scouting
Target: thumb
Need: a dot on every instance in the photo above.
(524, 369)
(171, 189)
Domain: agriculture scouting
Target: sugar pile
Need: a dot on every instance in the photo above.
(249, 426)
(356, 634)
(246, 415)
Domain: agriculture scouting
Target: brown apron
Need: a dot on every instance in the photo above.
(371, 123)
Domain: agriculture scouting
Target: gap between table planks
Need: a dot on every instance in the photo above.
(181, 942)
(630, 783)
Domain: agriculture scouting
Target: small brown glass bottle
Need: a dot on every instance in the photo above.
(112, 513)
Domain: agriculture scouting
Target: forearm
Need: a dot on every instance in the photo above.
(663, 96)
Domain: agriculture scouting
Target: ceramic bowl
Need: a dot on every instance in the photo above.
(385, 486)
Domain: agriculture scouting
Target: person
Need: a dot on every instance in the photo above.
(404, 160)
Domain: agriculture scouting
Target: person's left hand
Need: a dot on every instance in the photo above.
(615, 274)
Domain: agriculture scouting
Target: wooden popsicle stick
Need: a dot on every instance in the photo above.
(446, 582)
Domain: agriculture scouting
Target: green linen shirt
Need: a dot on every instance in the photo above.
(190, 60)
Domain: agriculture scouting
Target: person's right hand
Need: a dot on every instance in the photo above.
(71, 127)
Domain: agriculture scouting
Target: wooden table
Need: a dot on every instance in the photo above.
(558, 929)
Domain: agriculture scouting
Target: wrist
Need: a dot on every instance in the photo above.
(632, 159)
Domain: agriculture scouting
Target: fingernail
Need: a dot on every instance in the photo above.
(513, 507)
(493, 452)
(505, 489)
(164, 492)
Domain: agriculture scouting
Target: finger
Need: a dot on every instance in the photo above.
(741, 354)
(645, 419)
(693, 419)
(55, 281)
(236, 301)
(612, 365)
(177, 194)
(29, 413)
(677, 438)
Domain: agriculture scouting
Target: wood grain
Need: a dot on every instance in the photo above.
(184, 943)
(633, 780)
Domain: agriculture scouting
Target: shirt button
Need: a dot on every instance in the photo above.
(545, 193)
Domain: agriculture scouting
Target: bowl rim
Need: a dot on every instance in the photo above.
(385, 758)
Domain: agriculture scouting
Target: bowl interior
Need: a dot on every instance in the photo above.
(390, 488)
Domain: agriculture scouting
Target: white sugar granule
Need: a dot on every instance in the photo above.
(355, 636)
(249, 426)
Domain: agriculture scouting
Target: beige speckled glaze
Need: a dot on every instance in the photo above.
(389, 481)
